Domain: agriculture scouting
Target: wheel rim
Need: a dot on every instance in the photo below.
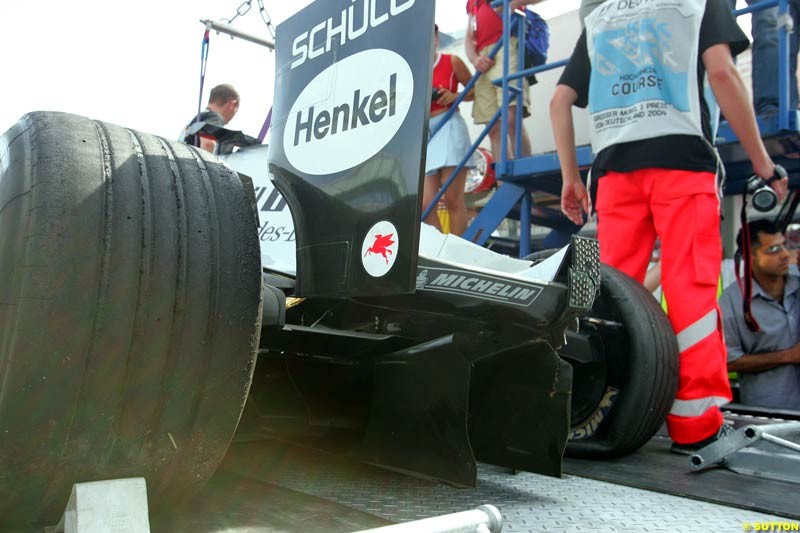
(598, 374)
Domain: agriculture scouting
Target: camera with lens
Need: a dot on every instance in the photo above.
(762, 196)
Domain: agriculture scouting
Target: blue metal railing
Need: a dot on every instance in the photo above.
(783, 55)
(449, 113)
(502, 113)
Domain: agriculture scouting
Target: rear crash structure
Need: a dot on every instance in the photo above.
(425, 383)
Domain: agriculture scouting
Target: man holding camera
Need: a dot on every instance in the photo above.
(768, 361)
(639, 66)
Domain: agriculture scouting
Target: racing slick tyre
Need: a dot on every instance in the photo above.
(130, 292)
(625, 368)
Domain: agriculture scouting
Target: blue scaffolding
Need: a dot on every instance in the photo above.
(522, 177)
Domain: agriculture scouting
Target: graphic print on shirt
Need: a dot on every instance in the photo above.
(644, 70)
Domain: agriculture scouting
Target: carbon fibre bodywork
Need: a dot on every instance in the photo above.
(430, 382)
(400, 346)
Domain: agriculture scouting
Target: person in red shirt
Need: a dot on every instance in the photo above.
(484, 30)
(450, 144)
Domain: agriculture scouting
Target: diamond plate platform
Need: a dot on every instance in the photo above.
(528, 502)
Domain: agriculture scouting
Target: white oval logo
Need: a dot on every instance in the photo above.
(379, 250)
(349, 112)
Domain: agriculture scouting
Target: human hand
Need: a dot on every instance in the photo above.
(574, 200)
(775, 176)
(780, 182)
(483, 63)
(446, 97)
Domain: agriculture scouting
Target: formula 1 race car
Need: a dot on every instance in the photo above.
(153, 300)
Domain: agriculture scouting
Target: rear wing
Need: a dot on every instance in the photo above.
(347, 150)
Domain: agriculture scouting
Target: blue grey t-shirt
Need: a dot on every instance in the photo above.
(779, 387)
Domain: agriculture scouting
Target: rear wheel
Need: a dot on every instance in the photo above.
(625, 368)
(129, 311)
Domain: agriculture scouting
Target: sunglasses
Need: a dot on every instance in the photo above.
(775, 249)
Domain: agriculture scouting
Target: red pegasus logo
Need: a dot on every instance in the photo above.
(381, 246)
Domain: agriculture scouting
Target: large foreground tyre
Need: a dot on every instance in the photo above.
(129, 311)
(625, 369)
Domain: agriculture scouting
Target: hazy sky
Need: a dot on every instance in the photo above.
(137, 63)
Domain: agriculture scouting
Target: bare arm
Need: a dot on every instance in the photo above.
(731, 94)
(765, 361)
(469, 41)
(463, 75)
(574, 199)
(481, 63)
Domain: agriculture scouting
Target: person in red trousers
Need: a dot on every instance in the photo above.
(639, 67)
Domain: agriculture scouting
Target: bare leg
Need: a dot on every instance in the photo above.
(454, 199)
(495, 137)
(431, 187)
(525, 148)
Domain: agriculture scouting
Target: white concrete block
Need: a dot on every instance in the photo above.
(112, 506)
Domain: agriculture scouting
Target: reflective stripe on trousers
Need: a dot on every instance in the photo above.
(688, 338)
(697, 407)
(698, 331)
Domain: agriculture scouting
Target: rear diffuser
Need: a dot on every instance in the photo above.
(439, 405)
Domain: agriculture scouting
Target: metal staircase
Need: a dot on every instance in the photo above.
(530, 186)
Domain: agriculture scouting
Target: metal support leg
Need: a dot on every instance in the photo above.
(761, 451)
(484, 519)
